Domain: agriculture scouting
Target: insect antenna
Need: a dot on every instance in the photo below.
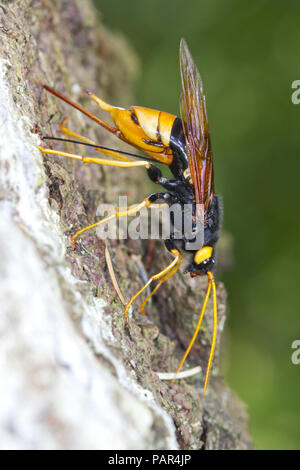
(211, 285)
(213, 341)
(46, 137)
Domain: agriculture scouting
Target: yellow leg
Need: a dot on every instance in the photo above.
(127, 211)
(99, 161)
(67, 131)
(178, 257)
(164, 279)
(121, 212)
(111, 153)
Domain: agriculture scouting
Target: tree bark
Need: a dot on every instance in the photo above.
(71, 375)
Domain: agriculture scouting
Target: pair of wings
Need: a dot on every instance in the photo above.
(195, 124)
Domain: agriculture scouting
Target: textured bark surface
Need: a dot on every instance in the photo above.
(66, 358)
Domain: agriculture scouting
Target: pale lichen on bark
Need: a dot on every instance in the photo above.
(72, 376)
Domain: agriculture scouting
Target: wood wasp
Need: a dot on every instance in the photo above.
(181, 143)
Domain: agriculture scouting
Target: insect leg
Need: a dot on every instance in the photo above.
(111, 153)
(99, 161)
(121, 212)
(67, 131)
(165, 271)
(170, 199)
(164, 279)
(126, 210)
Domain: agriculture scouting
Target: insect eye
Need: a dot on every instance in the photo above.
(208, 261)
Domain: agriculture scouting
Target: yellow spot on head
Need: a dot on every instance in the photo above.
(187, 175)
(204, 253)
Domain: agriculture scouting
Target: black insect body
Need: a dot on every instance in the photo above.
(183, 144)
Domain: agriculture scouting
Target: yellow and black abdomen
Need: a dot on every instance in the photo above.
(165, 133)
(157, 125)
(146, 129)
(157, 133)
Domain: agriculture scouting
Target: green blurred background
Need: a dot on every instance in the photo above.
(248, 55)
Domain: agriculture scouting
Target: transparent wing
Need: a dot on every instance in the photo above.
(195, 123)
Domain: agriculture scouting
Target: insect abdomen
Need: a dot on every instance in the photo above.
(156, 124)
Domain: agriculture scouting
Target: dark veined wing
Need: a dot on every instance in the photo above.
(194, 117)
